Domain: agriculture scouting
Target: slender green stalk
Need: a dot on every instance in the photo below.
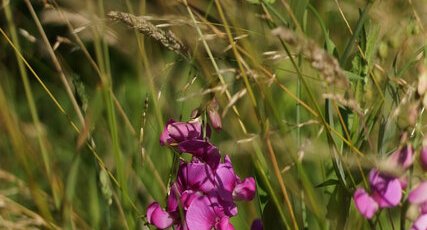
(22, 150)
(277, 173)
(236, 53)
(56, 63)
(214, 64)
(31, 104)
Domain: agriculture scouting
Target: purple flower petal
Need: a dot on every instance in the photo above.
(418, 195)
(202, 150)
(245, 190)
(423, 157)
(257, 225)
(225, 179)
(224, 224)
(402, 157)
(181, 131)
(423, 208)
(420, 223)
(387, 191)
(196, 176)
(200, 215)
(177, 132)
(403, 182)
(165, 139)
(187, 197)
(364, 203)
(173, 198)
(180, 226)
(158, 217)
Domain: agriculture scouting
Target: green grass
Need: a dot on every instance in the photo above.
(83, 100)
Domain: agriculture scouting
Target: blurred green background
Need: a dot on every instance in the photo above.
(83, 99)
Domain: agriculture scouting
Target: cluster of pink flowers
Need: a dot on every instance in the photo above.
(386, 189)
(204, 192)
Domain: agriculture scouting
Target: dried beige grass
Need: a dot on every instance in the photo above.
(319, 59)
(167, 38)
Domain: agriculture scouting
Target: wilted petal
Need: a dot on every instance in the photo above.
(196, 176)
(257, 225)
(245, 190)
(200, 215)
(418, 195)
(402, 157)
(420, 223)
(202, 150)
(224, 224)
(387, 191)
(364, 203)
(158, 217)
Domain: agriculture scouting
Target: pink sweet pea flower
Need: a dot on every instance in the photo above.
(225, 179)
(203, 150)
(177, 132)
(402, 158)
(420, 223)
(423, 157)
(245, 190)
(229, 184)
(197, 176)
(387, 190)
(423, 208)
(177, 197)
(207, 212)
(158, 217)
(418, 195)
(364, 203)
(203, 194)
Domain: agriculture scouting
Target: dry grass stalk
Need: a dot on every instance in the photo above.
(167, 38)
(350, 103)
(319, 59)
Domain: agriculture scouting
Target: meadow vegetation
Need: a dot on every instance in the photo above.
(320, 103)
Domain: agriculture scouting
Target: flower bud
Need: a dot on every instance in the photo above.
(213, 114)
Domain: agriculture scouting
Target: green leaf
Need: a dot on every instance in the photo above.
(372, 38)
(298, 8)
(353, 76)
(327, 183)
(339, 206)
(72, 178)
